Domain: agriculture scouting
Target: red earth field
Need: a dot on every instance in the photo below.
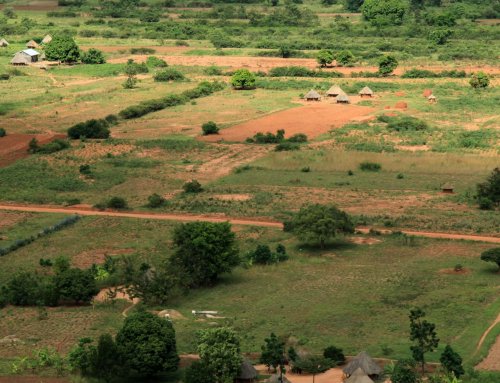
(15, 146)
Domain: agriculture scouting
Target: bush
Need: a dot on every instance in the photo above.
(479, 80)
(404, 123)
(335, 354)
(370, 166)
(142, 51)
(169, 74)
(93, 56)
(156, 62)
(345, 58)
(90, 129)
(299, 138)
(387, 64)
(3, 132)
(53, 146)
(210, 127)
(384, 12)
(213, 70)
(117, 203)
(243, 79)
(264, 256)
(4, 76)
(491, 255)
(85, 169)
(488, 192)
(268, 138)
(286, 146)
(192, 186)
(155, 200)
(62, 48)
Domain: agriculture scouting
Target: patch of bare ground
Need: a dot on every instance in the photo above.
(413, 148)
(8, 218)
(492, 361)
(364, 240)
(86, 259)
(95, 150)
(111, 293)
(15, 146)
(233, 197)
(169, 313)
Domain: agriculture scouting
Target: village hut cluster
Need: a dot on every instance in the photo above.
(338, 94)
(29, 55)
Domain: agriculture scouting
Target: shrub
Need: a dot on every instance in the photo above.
(479, 80)
(370, 166)
(406, 124)
(324, 57)
(299, 138)
(3, 132)
(387, 64)
(142, 51)
(458, 267)
(156, 62)
(210, 127)
(4, 76)
(93, 56)
(491, 255)
(155, 200)
(305, 169)
(90, 129)
(335, 354)
(243, 79)
(384, 12)
(117, 203)
(269, 138)
(490, 189)
(62, 48)
(440, 36)
(213, 70)
(345, 58)
(286, 146)
(53, 146)
(192, 186)
(169, 74)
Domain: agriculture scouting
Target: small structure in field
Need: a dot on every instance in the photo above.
(248, 373)
(359, 376)
(4, 43)
(25, 57)
(448, 188)
(312, 95)
(366, 92)
(364, 362)
(427, 92)
(32, 44)
(334, 91)
(432, 99)
(47, 39)
(343, 99)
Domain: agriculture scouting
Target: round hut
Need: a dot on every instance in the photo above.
(359, 376)
(343, 99)
(334, 91)
(32, 44)
(248, 373)
(312, 95)
(47, 39)
(432, 99)
(4, 43)
(364, 362)
(366, 92)
(448, 188)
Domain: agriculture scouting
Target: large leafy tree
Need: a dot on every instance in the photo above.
(404, 372)
(319, 223)
(452, 361)
(489, 190)
(146, 344)
(273, 352)
(353, 5)
(76, 285)
(384, 12)
(62, 48)
(243, 79)
(491, 255)
(423, 335)
(204, 251)
(313, 364)
(387, 64)
(324, 57)
(220, 353)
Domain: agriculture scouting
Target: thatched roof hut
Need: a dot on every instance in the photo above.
(343, 99)
(312, 95)
(32, 44)
(358, 376)
(432, 98)
(47, 39)
(448, 188)
(334, 91)
(248, 373)
(366, 92)
(20, 59)
(4, 43)
(365, 363)
(276, 379)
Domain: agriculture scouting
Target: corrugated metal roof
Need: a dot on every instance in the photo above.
(31, 52)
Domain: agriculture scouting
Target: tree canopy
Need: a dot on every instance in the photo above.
(273, 352)
(387, 64)
(491, 255)
(384, 12)
(489, 191)
(423, 335)
(452, 361)
(243, 79)
(62, 48)
(324, 57)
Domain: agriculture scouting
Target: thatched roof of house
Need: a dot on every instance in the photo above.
(248, 371)
(312, 94)
(32, 44)
(343, 98)
(431, 97)
(366, 91)
(4, 43)
(47, 39)
(358, 376)
(447, 186)
(365, 363)
(20, 59)
(335, 90)
(276, 379)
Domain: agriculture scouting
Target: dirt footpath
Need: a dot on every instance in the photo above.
(492, 361)
(312, 119)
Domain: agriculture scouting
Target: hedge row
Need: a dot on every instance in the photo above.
(48, 230)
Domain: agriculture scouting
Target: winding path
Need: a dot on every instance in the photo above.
(212, 218)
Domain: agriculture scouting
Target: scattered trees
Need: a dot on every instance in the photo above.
(320, 223)
(264, 256)
(423, 335)
(62, 48)
(90, 129)
(491, 255)
(387, 64)
(324, 57)
(452, 361)
(479, 80)
(273, 353)
(243, 79)
(3, 132)
(192, 186)
(210, 127)
(93, 56)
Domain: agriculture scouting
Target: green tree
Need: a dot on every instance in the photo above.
(324, 57)
(192, 186)
(404, 372)
(387, 64)
(243, 79)
(479, 80)
(423, 335)
(105, 359)
(273, 352)
(93, 56)
(62, 48)
(292, 354)
(81, 357)
(209, 127)
(384, 12)
(131, 70)
(156, 200)
(9, 13)
(76, 285)
(353, 5)
(204, 251)
(33, 146)
(491, 255)
(335, 354)
(319, 223)
(23, 289)
(313, 365)
(440, 36)
(197, 373)
(490, 189)
(451, 360)
(219, 351)
(345, 58)
(146, 344)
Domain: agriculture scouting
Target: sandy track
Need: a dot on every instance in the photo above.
(492, 361)
(212, 218)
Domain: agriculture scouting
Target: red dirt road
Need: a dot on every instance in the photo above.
(312, 119)
(15, 146)
(211, 218)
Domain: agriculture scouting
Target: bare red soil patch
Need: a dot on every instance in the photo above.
(311, 119)
(401, 105)
(8, 219)
(15, 146)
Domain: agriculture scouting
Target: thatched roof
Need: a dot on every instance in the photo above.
(20, 59)
(366, 91)
(248, 371)
(365, 363)
(335, 90)
(47, 39)
(343, 98)
(312, 94)
(4, 43)
(431, 97)
(358, 376)
(276, 379)
(32, 44)
(448, 186)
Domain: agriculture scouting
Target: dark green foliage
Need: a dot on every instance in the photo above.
(3, 132)
(273, 352)
(23, 289)
(169, 74)
(367, 166)
(51, 147)
(404, 372)
(150, 16)
(345, 58)
(192, 186)
(213, 70)
(387, 64)
(300, 71)
(299, 138)
(286, 146)
(491, 255)
(45, 262)
(197, 373)
(335, 354)
(479, 80)
(156, 62)
(93, 56)
(117, 203)
(243, 79)
(210, 127)
(488, 192)
(324, 57)
(4, 76)
(33, 146)
(451, 360)
(289, 15)
(313, 364)
(76, 285)
(403, 123)
(146, 344)
(353, 5)
(142, 51)
(423, 335)
(85, 169)
(319, 223)
(440, 36)
(268, 138)
(384, 12)
(264, 256)
(89, 129)
(204, 251)
(423, 73)
(62, 48)
(292, 354)
(155, 200)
